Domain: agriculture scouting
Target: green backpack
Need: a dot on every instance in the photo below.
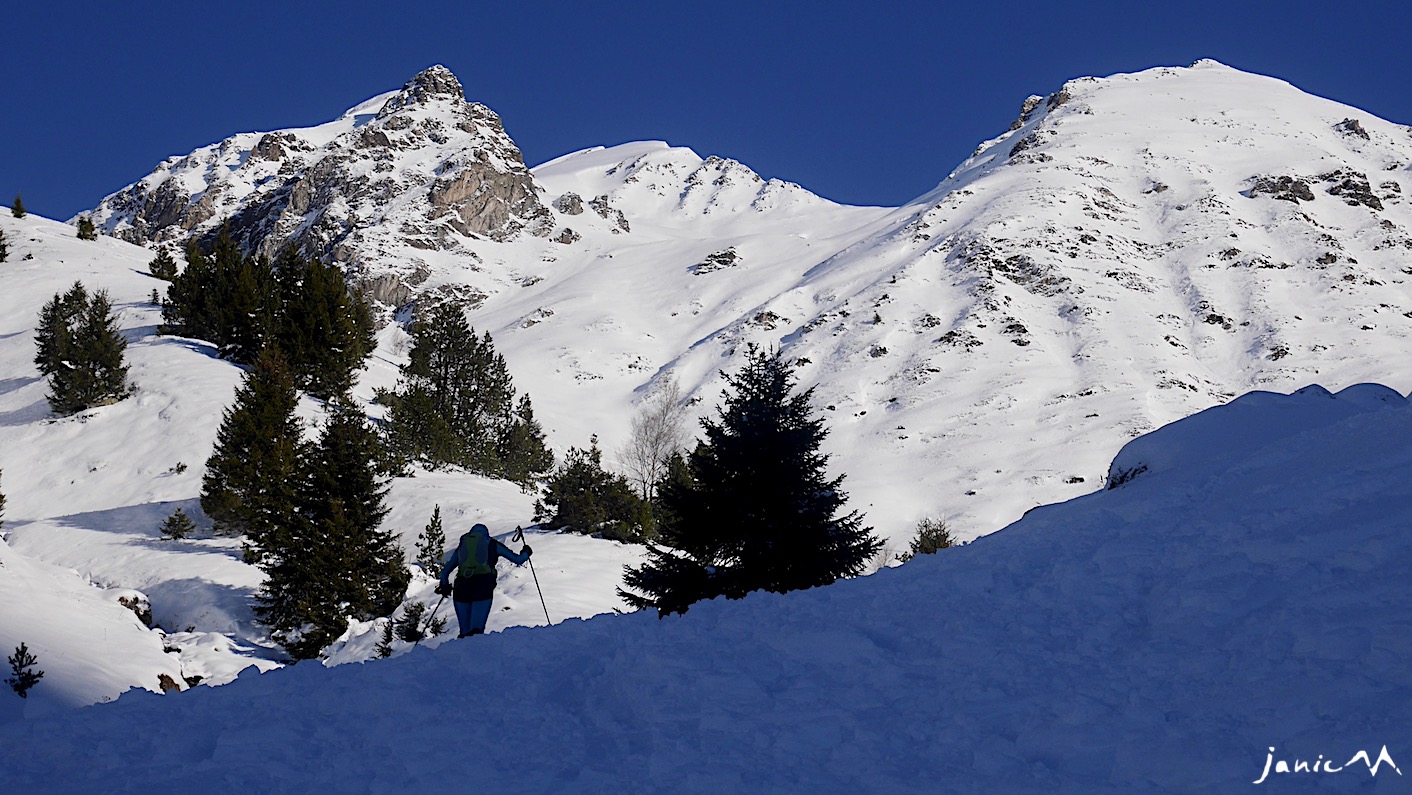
(475, 553)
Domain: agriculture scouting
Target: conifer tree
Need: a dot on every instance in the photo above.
(932, 536)
(252, 477)
(178, 526)
(17, 209)
(584, 497)
(337, 563)
(226, 297)
(431, 544)
(86, 230)
(23, 676)
(80, 350)
(4, 247)
(325, 331)
(456, 405)
(525, 457)
(54, 336)
(163, 266)
(758, 511)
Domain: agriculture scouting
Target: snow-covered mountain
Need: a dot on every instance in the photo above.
(1132, 249)
(1241, 599)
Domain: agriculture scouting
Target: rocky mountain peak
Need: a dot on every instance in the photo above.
(434, 82)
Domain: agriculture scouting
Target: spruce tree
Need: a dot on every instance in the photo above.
(584, 497)
(525, 457)
(226, 297)
(431, 544)
(456, 405)
(18, 208)
(932, 536)
(54, 335)
(325, 331)
(86, 230)
(337, 563)
(23, 676)
(251, 485)
(163, 266)
(178, 526)
(4, 247)
(81, 351)
(758, 511)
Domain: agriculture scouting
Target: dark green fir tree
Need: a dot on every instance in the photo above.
(252, 480)
(163, 266)
(86, 229)
(339, 564)
(17, 209)
(81, 351)
(325, 331)
(431, 544)
(758, 511)
(583, 497)
(178, 526)
(4, 247)
(456, 405)
(23, 674)
(525, 457)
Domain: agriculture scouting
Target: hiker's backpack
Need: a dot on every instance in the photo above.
(476, 553)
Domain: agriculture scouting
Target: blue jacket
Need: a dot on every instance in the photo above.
(497, 550)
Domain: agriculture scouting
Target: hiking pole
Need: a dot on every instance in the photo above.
(422, 633)
(520, 537)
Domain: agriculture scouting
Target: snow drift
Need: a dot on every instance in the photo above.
(1246, 591)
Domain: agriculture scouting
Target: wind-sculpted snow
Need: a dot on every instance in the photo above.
(1158, 637)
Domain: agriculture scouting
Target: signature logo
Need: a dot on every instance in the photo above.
(1323, 765)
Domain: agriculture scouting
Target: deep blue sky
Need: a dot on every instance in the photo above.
(867, 106)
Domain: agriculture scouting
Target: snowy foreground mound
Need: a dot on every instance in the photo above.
(1244, 588)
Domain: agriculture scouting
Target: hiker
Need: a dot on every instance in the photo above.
(474, 562)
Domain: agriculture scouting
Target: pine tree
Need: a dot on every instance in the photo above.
(457, 405)
(4, 247)
(758, 511)
(178, 526)
(226, 297)
(54, 336)
(584, 497)
(18, 208)
(23, 676)
(81, 351)
(338, 563)
(325, 331)
(431, 544)
(86, 230)
(384, 648)
(932, 535)
(163, 266)
(251, 485)
(525, 457)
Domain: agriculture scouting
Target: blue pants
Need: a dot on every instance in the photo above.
(472, 616)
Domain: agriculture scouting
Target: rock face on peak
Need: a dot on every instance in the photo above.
(436, 82)
(417, 170)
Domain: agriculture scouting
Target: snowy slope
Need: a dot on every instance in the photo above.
(1121, 257)
(1247, 591)
(86, 495)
